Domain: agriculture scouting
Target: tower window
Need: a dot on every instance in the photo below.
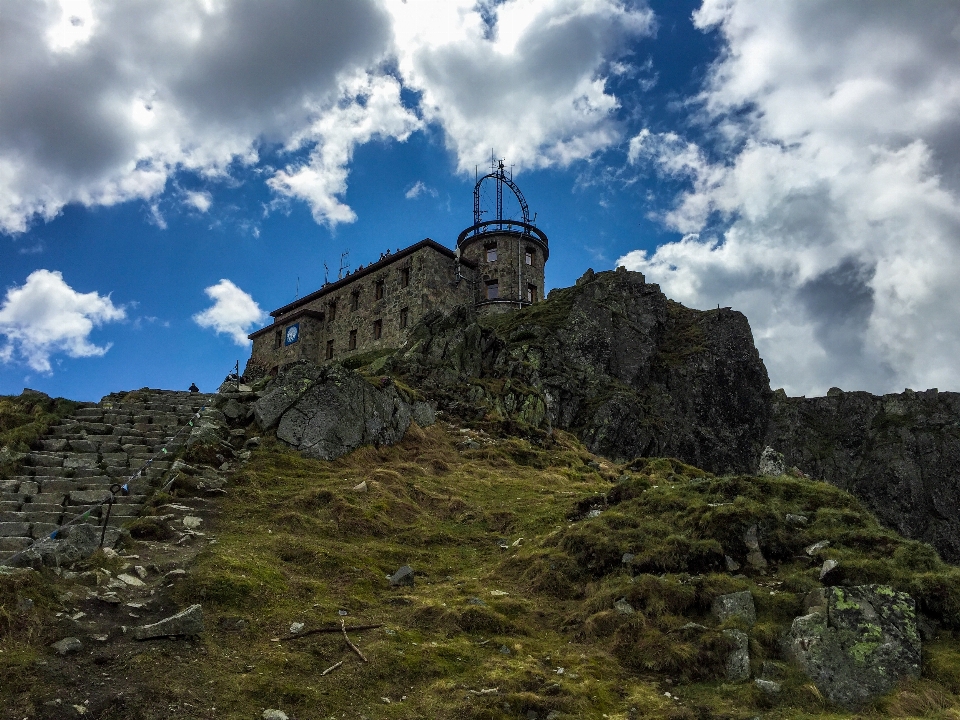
(332, 315)
(528, 257)
(493, 290)
(404, 277)
(278, 338)
(404, 316)
(531, 293)
(329, 349)
(353, 340)
(355, 300)
(491, 252)
(377, 329)
(378, 290)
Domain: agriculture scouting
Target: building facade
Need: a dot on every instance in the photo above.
(498, 266)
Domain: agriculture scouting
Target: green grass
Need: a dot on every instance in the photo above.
(24, 419)
(515, 579)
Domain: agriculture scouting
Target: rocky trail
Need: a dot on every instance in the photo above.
(108, 601)
(125, 439)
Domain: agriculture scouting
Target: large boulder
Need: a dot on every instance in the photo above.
(327, 412)
(857, 642)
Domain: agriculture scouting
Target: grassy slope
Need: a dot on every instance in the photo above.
(296, 544)
(24, 419)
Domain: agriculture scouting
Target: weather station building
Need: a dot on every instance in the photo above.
(498, 265)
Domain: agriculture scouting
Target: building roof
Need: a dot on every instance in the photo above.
(374, 267)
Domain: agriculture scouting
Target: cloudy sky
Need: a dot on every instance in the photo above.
(172, 170)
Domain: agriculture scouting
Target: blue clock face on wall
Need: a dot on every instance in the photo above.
(293, 334)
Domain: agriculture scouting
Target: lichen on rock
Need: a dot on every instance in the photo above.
(857, 642)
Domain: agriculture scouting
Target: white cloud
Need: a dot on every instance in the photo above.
(104, 102)
(369, 107)
(530, 83)
(45, 316)
(233, 312)
(418, 189)
(198, 200)
(839, 205)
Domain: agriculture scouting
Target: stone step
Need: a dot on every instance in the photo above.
(86, 497)
(14, 529)
(47, 507)
(43, 517)
(28, 487)
(11, 545)
(9, 506)
(43, 459)
(49, 498)
(11, 516)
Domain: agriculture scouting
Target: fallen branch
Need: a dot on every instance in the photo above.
(343, 627)
(333, 629)
(331, 668)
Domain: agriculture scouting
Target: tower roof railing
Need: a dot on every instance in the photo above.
(491, 227)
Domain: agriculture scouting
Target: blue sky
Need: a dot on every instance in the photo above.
(171, 171)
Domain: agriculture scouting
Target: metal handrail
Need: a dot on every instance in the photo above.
(493, 226)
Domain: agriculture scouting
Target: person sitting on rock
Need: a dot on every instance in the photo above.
(194, 388)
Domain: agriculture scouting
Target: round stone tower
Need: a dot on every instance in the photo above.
(510, 255)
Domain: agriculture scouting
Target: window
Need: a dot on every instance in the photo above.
(333, 311)
(355, 300)
(278, 338)
(378, 290)
(404, 315)
(377, 329)
(329, 349)
(528, 257)
(491, 252)
(531, 293)
(493, 290)
(353, 340)
(404, 277)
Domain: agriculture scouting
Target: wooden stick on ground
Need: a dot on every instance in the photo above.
(343, 627)
(319, 631)
(331, 668)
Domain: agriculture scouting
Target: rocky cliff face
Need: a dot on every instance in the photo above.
(611, 359)
(900, 454)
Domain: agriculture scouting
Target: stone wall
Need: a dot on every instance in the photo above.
(387, 299)
(514, 289)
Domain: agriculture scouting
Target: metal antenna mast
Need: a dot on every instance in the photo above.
(498, 175)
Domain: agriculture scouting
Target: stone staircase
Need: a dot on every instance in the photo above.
(82, 456)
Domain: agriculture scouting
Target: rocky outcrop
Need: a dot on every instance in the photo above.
(327, 412)
(900, 454)
(611, 359)
(857, 642)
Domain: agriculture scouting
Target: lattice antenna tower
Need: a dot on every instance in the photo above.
(343, 265)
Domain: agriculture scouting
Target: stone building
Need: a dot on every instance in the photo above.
(498, 266)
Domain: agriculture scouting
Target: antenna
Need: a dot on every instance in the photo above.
(298, 288)
(500, 176)
(343, 265)
(326, 274)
